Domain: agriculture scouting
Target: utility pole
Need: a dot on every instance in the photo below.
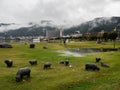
(118, 30)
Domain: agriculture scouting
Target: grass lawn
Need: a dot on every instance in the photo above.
(60, 77)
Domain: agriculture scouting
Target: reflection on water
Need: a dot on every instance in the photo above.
(69, 53)
(83, 51)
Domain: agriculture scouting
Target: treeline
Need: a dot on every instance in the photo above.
(93, 27)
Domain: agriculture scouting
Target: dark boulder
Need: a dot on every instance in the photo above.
(61, 62)
(32, 45)
(91, 67)
(33, 62)
(21, 73)
(66, 62)
(98, 59)
(45, 47)
(104, 65)
(9, 63)
(5, 45)
(47, 65)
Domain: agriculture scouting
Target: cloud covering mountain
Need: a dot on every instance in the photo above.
(60, 11)
(96, 25)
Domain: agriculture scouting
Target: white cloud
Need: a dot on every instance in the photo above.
(112, 9)
(69, 11)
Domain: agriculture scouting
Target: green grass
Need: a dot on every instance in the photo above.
(60, 77)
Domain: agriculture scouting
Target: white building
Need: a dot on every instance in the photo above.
(77, 34)
(36, 40)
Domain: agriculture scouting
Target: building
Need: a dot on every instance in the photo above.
(36, 40)
(77, 34)
(54, 34)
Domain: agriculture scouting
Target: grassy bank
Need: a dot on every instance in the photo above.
(60, 77)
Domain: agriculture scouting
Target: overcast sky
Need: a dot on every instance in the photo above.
(61, 11)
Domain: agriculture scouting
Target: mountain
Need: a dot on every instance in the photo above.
(30, 29)
(96, 25)
(11, 26)
(5, 24)
(39, 28)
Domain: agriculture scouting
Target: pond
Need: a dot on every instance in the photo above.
(83, 51)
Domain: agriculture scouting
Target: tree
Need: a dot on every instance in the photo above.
(113, 36)
(105, 36)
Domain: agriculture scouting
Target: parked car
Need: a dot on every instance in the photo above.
(5, 45)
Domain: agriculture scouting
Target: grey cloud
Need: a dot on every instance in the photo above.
(69, 11)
